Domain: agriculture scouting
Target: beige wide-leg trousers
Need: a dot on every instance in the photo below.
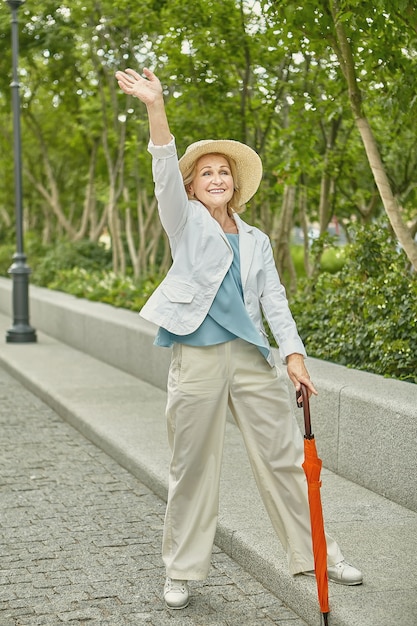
(202, 382)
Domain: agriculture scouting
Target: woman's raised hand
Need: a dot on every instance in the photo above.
(147, 89)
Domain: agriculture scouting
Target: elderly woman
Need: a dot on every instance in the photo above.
(209, 310)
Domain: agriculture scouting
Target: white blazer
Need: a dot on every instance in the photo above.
(201, 258)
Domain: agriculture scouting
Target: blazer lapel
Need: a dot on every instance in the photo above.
(246, 248)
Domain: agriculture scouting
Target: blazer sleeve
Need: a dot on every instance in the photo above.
(276, 309)
(169, 188)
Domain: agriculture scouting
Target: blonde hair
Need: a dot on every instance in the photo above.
(234, 204)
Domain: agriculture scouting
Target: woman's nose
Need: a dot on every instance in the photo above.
(216, 178)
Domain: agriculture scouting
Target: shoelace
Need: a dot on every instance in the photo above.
(177, 586)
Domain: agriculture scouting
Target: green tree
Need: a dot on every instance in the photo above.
(267, 73)
(374, 47)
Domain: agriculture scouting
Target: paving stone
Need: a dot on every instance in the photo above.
(80, 537)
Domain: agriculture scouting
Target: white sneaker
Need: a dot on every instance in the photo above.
(342, 573)
(176, 593)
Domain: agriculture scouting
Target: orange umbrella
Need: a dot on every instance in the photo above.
(312, 468)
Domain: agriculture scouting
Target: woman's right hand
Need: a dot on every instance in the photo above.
(148, 90)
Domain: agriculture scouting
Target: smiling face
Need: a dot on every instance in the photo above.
(213, 183)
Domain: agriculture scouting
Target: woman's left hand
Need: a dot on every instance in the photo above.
(298, 373)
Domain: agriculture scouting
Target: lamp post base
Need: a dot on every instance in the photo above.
(21, 331)
(21, 334)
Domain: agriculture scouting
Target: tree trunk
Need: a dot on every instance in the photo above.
(343, 50)
(327, 179)
(50, 194)
(113, 149)
(88, 216)
(391, 206)
(281, 235)
(52, 197)
(134, 258)
(302, 203)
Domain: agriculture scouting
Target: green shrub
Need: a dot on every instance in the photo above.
(364, 316)
(104, 286)
(84, 254)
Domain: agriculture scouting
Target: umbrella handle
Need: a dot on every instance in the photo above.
(305, 404)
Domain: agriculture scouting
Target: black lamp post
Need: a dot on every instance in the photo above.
(21, 331)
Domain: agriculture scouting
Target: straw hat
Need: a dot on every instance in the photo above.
(248, 162)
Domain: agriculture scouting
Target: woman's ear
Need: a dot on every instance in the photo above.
(190, 190)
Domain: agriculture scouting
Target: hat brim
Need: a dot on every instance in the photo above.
(248, 162)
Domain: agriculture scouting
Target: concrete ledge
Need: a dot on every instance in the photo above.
(365, 425)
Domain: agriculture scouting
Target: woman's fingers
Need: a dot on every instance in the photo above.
(133, 74)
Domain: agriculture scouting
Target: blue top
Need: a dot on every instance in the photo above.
(227, 318)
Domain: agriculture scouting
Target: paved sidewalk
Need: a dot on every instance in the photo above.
(80, 536)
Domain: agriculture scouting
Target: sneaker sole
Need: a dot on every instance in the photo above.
(176, 608)
(335, 580)
(345, 583)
